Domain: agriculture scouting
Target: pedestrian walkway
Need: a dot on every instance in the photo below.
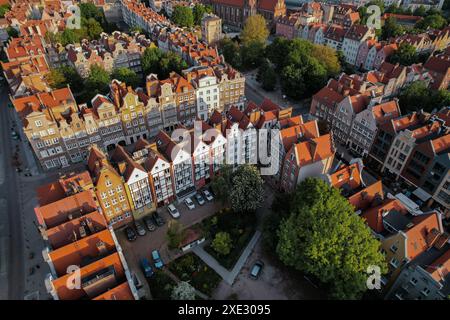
(228, 276)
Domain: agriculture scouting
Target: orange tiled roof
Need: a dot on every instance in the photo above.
(121, 292)
(374, 215)
(417, 234)
(314, 150)
(365, 197)
(349, 175)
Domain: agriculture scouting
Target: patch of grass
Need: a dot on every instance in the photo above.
(191, 268)
(161, 286)
(240, 226)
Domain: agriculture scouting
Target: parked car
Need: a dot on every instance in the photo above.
(199, 199)
(256, 269)
(189, 203)
(14, 135)
(146, 268)
(131, 234)
(173, 211)
(159, 221)
(140, 229)
(149, 224)
(208, 195)
(157, 259)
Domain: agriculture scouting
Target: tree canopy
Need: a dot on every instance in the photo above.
(435, 21)
(98, 81)
(303, 67)
(126, 75)
(242, 189)
(405, 55)
(64, 76)
(391, 29)
(418, 96)
(255, 30)
(183, 16)
(323, 236)
(154, 60)
(198, 11)
(183, 291)
(222, 243)
(4, 9)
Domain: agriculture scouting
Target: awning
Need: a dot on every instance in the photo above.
(421, 194)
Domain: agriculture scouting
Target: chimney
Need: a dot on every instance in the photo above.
(101, 246)
(442, 240)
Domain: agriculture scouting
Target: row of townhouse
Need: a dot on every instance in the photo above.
(77, 237)
(117, 50)
(316, 14)
(60, 131)
(354, 106)
(415, 148)
(414, 243)
(358, 42)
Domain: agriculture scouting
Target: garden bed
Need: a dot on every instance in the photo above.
(191, 268)
(161, 286)
(241, 228)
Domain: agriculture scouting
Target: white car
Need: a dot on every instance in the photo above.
(173, 211)
(208, 195)
(189, 203)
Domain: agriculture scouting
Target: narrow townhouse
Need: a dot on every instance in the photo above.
(365, 125)
(137, 184)
(158, 169)
(178, 154)
(109, 189)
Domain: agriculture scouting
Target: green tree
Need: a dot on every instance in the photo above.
(278, 50)
(183, 291)
(267, 76)
(247, 192)
(435, 21)
(405, 55)
(418, 96)
(12, 33)
(231, 52)
(126, 75)
(252, 54)
(98, 81)
(222, 243)
(391, 29)
(255, 30)
(198, 11)
(221, 183)
(324, 237)
(73, 79)
(420, 11)
(56, 79)
(150, 60)
(175, 234)
(92, 27)
(183, 16)
(4, 9)
(69, 36)
(328, 58)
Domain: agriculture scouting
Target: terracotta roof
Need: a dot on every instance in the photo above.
(441, 144)
(365, 197)
(314, 150)
(58, 212)
(121, 292)
(348, 175)
(374, 215)
(417, 234)
(121, 155)
(386, 111)
(328, 97)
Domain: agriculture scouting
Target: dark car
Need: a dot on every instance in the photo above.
(146, 268)
(256, 269)
(159, 221)
(149, 224)
(131, 234)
